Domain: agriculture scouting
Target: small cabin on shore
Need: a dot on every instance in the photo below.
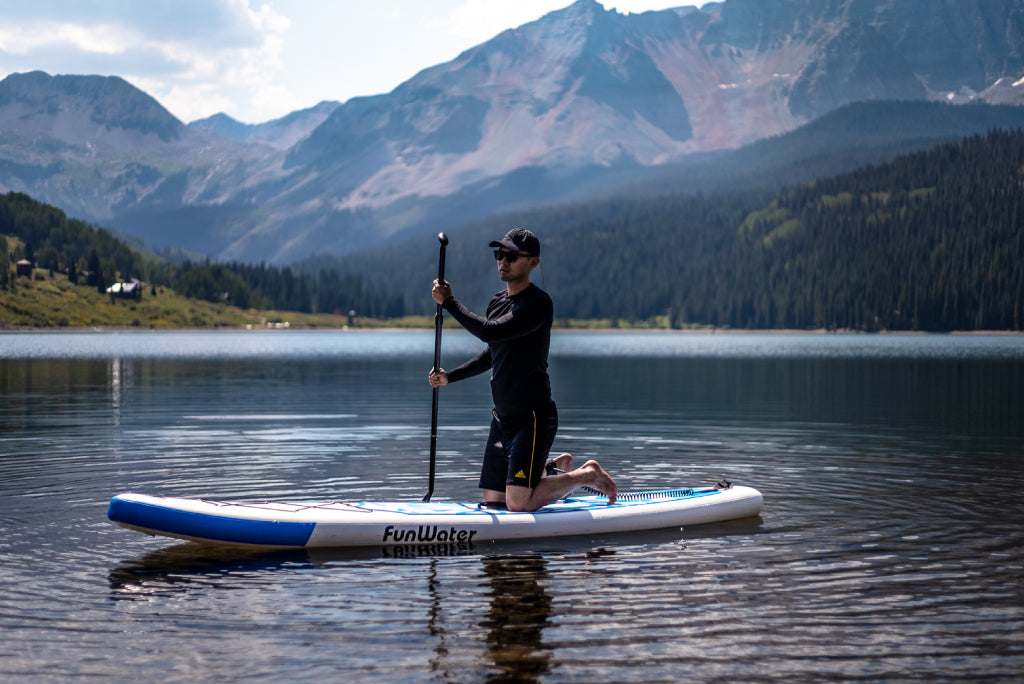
(24, 267)
(129, 290)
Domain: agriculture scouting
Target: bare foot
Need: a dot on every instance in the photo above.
(563, 462)
(601, 481)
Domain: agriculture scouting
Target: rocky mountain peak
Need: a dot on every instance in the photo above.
(73, 107)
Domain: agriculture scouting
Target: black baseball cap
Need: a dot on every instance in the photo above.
(519, 240)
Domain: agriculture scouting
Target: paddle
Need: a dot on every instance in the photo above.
(438, 320)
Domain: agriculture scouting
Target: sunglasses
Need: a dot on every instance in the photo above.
(509, 257)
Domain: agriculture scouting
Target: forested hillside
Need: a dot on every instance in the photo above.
(95, 257)
(934, 241)
(53, 241)
(931, 241)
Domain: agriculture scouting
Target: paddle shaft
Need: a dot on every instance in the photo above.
(438, 321)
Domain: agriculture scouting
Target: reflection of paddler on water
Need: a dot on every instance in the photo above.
(520, 609)
(517, 332)
(513, 625)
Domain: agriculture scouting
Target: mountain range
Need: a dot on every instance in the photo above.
(580, 103)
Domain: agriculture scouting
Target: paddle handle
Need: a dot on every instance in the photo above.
(438, 322)
(439, 314)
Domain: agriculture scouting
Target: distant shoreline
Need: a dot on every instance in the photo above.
(19, 330)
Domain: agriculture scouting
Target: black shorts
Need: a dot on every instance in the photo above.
(518, 448)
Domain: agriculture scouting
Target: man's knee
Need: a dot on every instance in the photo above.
(519, 499)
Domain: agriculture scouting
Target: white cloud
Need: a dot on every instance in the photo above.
(97, 38)
(185, 53)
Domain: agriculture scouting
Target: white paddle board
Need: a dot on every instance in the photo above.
(388, 523)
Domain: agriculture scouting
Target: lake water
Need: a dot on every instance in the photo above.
(891, 545)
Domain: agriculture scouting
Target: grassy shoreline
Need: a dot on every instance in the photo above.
(52, 303)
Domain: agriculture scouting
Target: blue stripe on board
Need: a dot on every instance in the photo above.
(212, 527)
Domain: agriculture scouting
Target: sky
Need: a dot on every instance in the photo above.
(257, 60)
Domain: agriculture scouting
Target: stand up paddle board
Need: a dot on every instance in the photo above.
(366, 523)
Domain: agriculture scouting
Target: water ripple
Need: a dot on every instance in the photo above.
(890, 546)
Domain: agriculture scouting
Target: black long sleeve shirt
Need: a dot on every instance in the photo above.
(517, 331)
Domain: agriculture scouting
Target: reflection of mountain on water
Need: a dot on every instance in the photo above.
(520, 609)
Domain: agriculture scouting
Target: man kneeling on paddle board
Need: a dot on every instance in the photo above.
(517, 331)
